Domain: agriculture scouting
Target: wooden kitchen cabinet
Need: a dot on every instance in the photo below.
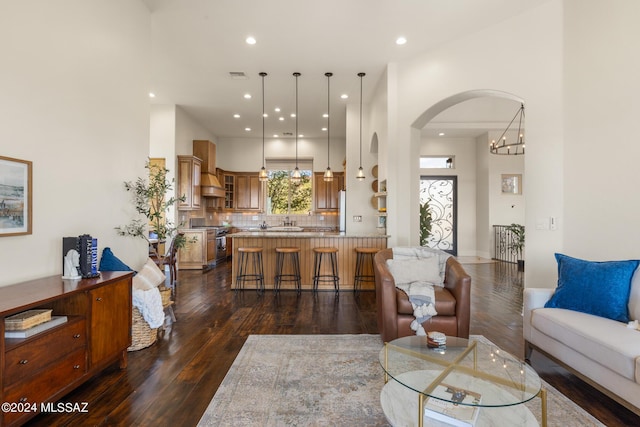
(326, 193)
(248, 192)
(189, 169)
(48, 365)
(194, 254)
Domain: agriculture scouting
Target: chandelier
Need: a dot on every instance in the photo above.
(506, 148)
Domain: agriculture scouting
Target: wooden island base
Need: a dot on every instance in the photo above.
(306, 241)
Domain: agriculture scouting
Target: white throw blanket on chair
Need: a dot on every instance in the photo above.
(416, 270)
(422, 298)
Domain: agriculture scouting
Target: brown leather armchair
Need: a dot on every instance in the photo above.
(395, 312)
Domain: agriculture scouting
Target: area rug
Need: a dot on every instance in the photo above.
(325, 380)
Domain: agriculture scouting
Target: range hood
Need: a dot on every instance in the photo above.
(209, 184)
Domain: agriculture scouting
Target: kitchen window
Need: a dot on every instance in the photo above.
(283, 196)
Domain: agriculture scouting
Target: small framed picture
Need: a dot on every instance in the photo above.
(511, 184)
(15, 197)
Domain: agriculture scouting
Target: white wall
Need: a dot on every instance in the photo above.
(74, 83)
(528, 64)
(245, 154)
(601, 147)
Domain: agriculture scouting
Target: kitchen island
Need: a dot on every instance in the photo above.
(306, 241)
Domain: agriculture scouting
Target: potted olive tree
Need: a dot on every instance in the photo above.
(151, 199)
(516, 245)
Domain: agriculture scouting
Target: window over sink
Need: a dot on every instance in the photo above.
(283, 196)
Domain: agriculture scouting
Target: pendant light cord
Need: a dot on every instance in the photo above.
(328, 118)
(262, 75)
(361, 75)
(296, 75)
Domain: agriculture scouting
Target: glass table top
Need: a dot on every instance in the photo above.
(464, 366)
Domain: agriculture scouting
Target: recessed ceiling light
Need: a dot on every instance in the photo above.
(344, 96)
(265, 115)
(247, 96)
(441, 134)
(293, 114)
(250, 40)
(275, 135)
(152, 95)
(277, 109)
(301, 136)
(281, 119)
(324, 129)
(325, 115)
(247, 129)
(401, 40)
(236, 116)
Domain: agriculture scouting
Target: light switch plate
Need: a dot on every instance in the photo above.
(357, 218)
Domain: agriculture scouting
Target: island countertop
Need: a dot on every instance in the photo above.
(306, 241)
(305, 234)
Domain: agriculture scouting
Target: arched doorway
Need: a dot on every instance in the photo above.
(460, 127)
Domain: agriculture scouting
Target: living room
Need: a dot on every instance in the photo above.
(76, 78)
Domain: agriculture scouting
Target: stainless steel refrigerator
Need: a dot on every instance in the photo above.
(342, 210)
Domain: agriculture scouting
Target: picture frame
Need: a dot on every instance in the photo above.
(15, 197)
(511, 184)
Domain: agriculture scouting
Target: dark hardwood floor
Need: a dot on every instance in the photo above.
(172, 382)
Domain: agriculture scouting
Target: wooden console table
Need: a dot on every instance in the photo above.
(48, 365)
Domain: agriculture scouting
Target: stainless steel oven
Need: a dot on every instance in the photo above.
(221, 248)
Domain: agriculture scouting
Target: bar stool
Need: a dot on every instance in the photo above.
(333, 277)
(250, 256)
(364, 265)
(293, 264)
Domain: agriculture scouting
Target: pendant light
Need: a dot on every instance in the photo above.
(263, 176)
(516, 148)
(360, 175)
(295, 176)
(328, 174)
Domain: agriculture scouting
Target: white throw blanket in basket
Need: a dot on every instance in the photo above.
(149, 302)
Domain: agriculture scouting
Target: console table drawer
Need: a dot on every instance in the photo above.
(25, 360)
(42, 387)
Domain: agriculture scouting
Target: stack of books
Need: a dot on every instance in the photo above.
(31, 322)
(452, 405)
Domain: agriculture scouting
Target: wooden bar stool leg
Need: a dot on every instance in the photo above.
(239, 275)
(334, 271)
(296, 264)
(316, 270)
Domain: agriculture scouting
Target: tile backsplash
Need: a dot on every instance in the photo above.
(254, 220)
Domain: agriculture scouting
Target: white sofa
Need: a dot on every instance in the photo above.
(604, 353)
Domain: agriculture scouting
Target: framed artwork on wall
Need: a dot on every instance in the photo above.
(15, 197)
(511, 184)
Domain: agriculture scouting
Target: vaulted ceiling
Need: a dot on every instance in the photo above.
(196, 44)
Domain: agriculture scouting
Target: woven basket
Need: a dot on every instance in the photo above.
(165, 293)
(142, 336)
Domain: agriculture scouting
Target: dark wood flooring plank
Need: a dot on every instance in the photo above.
(172, 382)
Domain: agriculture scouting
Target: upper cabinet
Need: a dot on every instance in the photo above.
(189, 168)
(242, 192)
(326, 193)
(248, 191)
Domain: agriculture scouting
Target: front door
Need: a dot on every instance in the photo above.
(442, 194)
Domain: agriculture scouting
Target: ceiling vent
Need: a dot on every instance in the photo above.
(238, 75)
(287, 133)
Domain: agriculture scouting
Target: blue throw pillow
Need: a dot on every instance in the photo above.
(598, 288)
(110, 262)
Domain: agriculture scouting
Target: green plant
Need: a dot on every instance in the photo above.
(150, 199)
(517, 243)
(425, 222)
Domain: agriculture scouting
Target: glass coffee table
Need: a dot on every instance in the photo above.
(461, 380)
